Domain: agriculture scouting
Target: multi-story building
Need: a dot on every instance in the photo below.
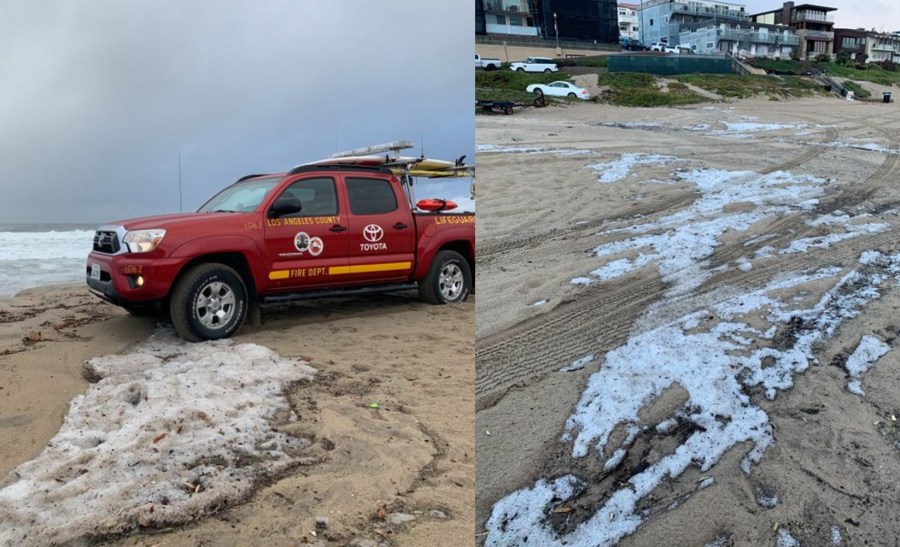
(516, 17)
(882, 47)
(814, 25)
(480, 23)
(662, 20)
(742, 40)
(593, 20)
(850, 41)
(628, 21)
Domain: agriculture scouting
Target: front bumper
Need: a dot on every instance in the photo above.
(124, 279)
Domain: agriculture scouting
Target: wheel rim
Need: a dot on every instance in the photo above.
(215, 305)
(451, 281)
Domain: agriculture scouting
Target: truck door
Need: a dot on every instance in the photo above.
(308, 249)
(382, 230)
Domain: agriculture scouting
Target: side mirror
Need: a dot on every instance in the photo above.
(284, 205)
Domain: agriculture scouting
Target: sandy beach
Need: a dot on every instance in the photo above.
(686, 322)
(382, 435)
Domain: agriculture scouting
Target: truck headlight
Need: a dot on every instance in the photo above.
(143, 241)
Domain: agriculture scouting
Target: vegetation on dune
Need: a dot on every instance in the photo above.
(741, 86)
(857, 89)
(637, 89)
(882, 73)
(511, 80)
(594, 61)
(507, 85)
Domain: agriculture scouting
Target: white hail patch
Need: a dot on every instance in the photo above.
(498, 149)
(869, 350)
(616, 170)
(716, 365)
(682, 243)
(171, 431)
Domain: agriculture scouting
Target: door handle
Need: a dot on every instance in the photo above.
(400, 226)
(337, 228)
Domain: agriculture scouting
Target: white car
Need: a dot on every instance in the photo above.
(560, 89)
(665, 48)
(535, 64)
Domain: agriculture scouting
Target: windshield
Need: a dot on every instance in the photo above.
(241, 197)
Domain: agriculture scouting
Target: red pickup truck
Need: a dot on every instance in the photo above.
(315, 231)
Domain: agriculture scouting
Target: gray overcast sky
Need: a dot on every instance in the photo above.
(97, 98)
(882, 15)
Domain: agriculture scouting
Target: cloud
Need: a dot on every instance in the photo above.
(99, 103)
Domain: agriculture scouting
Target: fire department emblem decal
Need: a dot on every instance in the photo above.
(316, 246)
(302, 241)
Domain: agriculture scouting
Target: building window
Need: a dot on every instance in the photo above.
(500, 19)
(515, 20)
(710, 45)
(651, 22)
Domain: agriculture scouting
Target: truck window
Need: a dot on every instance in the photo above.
(318, 197)
(371, 196)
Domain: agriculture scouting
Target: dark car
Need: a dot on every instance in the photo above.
(630, 44)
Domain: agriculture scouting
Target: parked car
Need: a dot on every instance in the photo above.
(560, 89)
(663, 47)
(487, 64)
(631, 44)
(535, 64)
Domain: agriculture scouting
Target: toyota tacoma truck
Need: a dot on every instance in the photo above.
(314, 231)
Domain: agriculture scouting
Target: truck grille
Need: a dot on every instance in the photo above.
(106, 242)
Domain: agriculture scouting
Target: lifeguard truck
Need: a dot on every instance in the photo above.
(346, 225)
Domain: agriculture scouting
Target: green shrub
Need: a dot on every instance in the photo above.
(516, 81)
(857, 89)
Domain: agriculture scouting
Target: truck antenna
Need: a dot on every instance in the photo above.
(180, 193)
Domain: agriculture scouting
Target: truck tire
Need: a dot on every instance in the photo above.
(449, 279)
(209, 302)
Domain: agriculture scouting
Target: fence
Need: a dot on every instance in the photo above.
(664, 64)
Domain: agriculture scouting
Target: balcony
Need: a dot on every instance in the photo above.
(885, 46)
(812, 17)
(734, 35)
(817, 35)
(520, 6)
(710, 13)
(493, 28)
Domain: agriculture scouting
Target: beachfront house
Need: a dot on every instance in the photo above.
(740, 39)
(813, 24)
(882, 47)
(852, 42)
(861, 44)
(662, 20)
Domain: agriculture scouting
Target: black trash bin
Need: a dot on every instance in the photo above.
(887, 96)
